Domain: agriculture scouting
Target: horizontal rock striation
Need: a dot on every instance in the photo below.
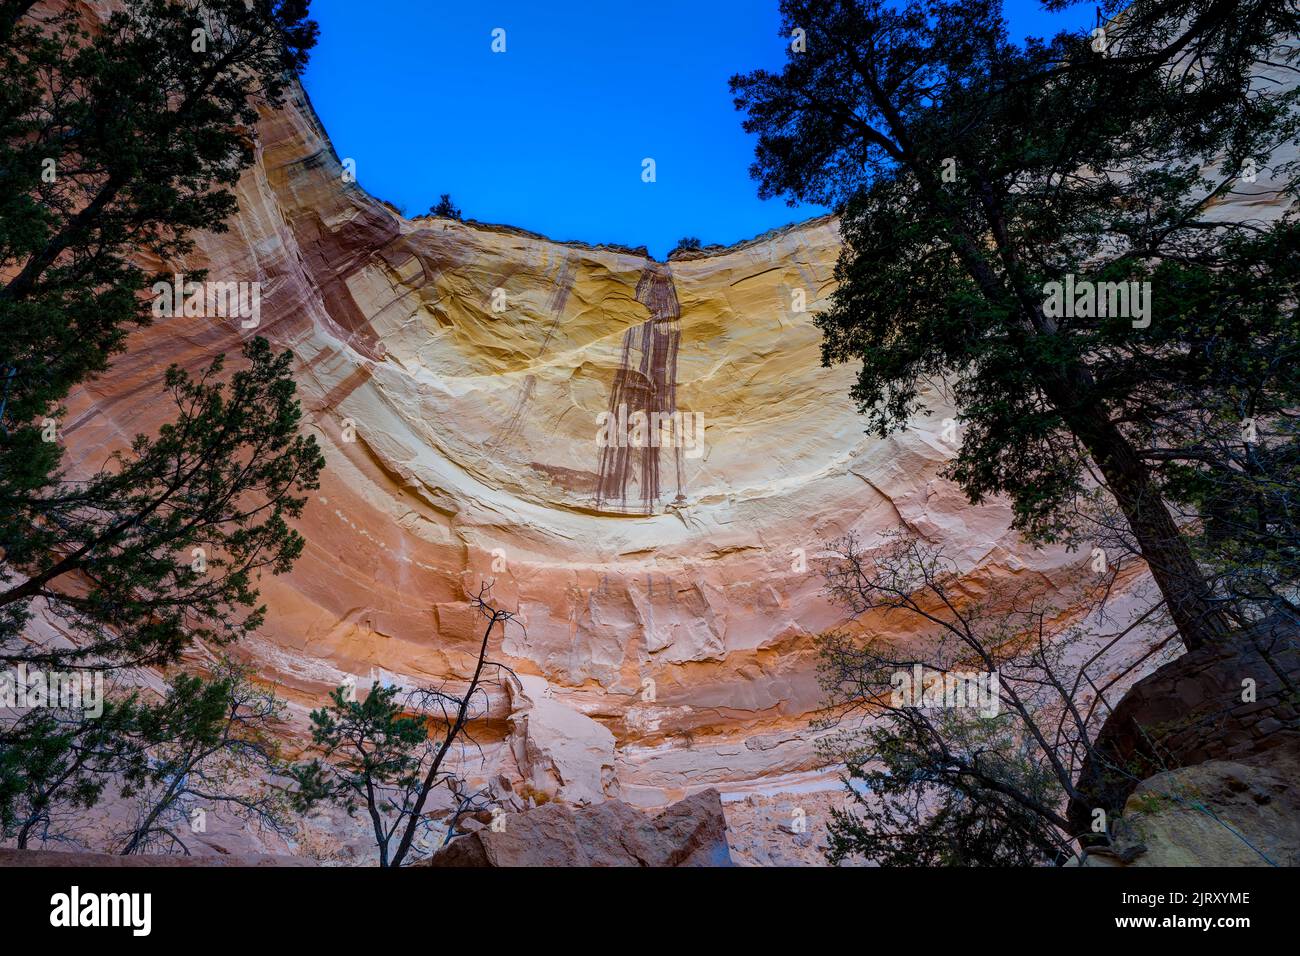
(456, 375)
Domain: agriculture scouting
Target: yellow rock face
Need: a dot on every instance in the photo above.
(457, 375)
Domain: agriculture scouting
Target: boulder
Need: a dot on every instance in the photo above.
(1217, 813)
(561, 754)
(691, 832)
(1229, 701)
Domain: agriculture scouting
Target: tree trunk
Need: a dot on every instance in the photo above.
(1185, 590)
(431, 777)
(1164, 548)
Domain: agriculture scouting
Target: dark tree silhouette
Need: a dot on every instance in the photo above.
(971, 173)
(387, 753)
(445, 209)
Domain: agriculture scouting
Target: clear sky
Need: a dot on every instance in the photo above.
(550, 135)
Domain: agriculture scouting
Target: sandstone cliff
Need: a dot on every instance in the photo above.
(455, 374)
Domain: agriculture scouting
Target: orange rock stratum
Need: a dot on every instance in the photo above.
(456, 375)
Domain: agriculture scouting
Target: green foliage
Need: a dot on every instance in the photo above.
(387, 753)
(915, 803)
(163, 547)
(1231, 451)
(211, 746)
(207, 742)
(54, 763)
(970, 172)
(113, 143)
(117, 142)
(445, 208)
(372, 757)
(1149, 802)
(370, 742)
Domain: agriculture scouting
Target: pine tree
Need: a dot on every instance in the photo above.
(445, 208)
(387, 753)
(163, 548)
(113, 143)
(116, 143)
(974, 175)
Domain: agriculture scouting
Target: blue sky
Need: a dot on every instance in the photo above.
(550, 135)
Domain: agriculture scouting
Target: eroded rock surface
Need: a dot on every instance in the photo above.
(691, 832)
(666, 599)
(1216, 813)
(1223, 702)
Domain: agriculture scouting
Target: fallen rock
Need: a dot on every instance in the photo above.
(1196, 709)
(1217, 813)
(561, 754)
(691, 832)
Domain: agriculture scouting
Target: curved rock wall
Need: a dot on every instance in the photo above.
(456, 375)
